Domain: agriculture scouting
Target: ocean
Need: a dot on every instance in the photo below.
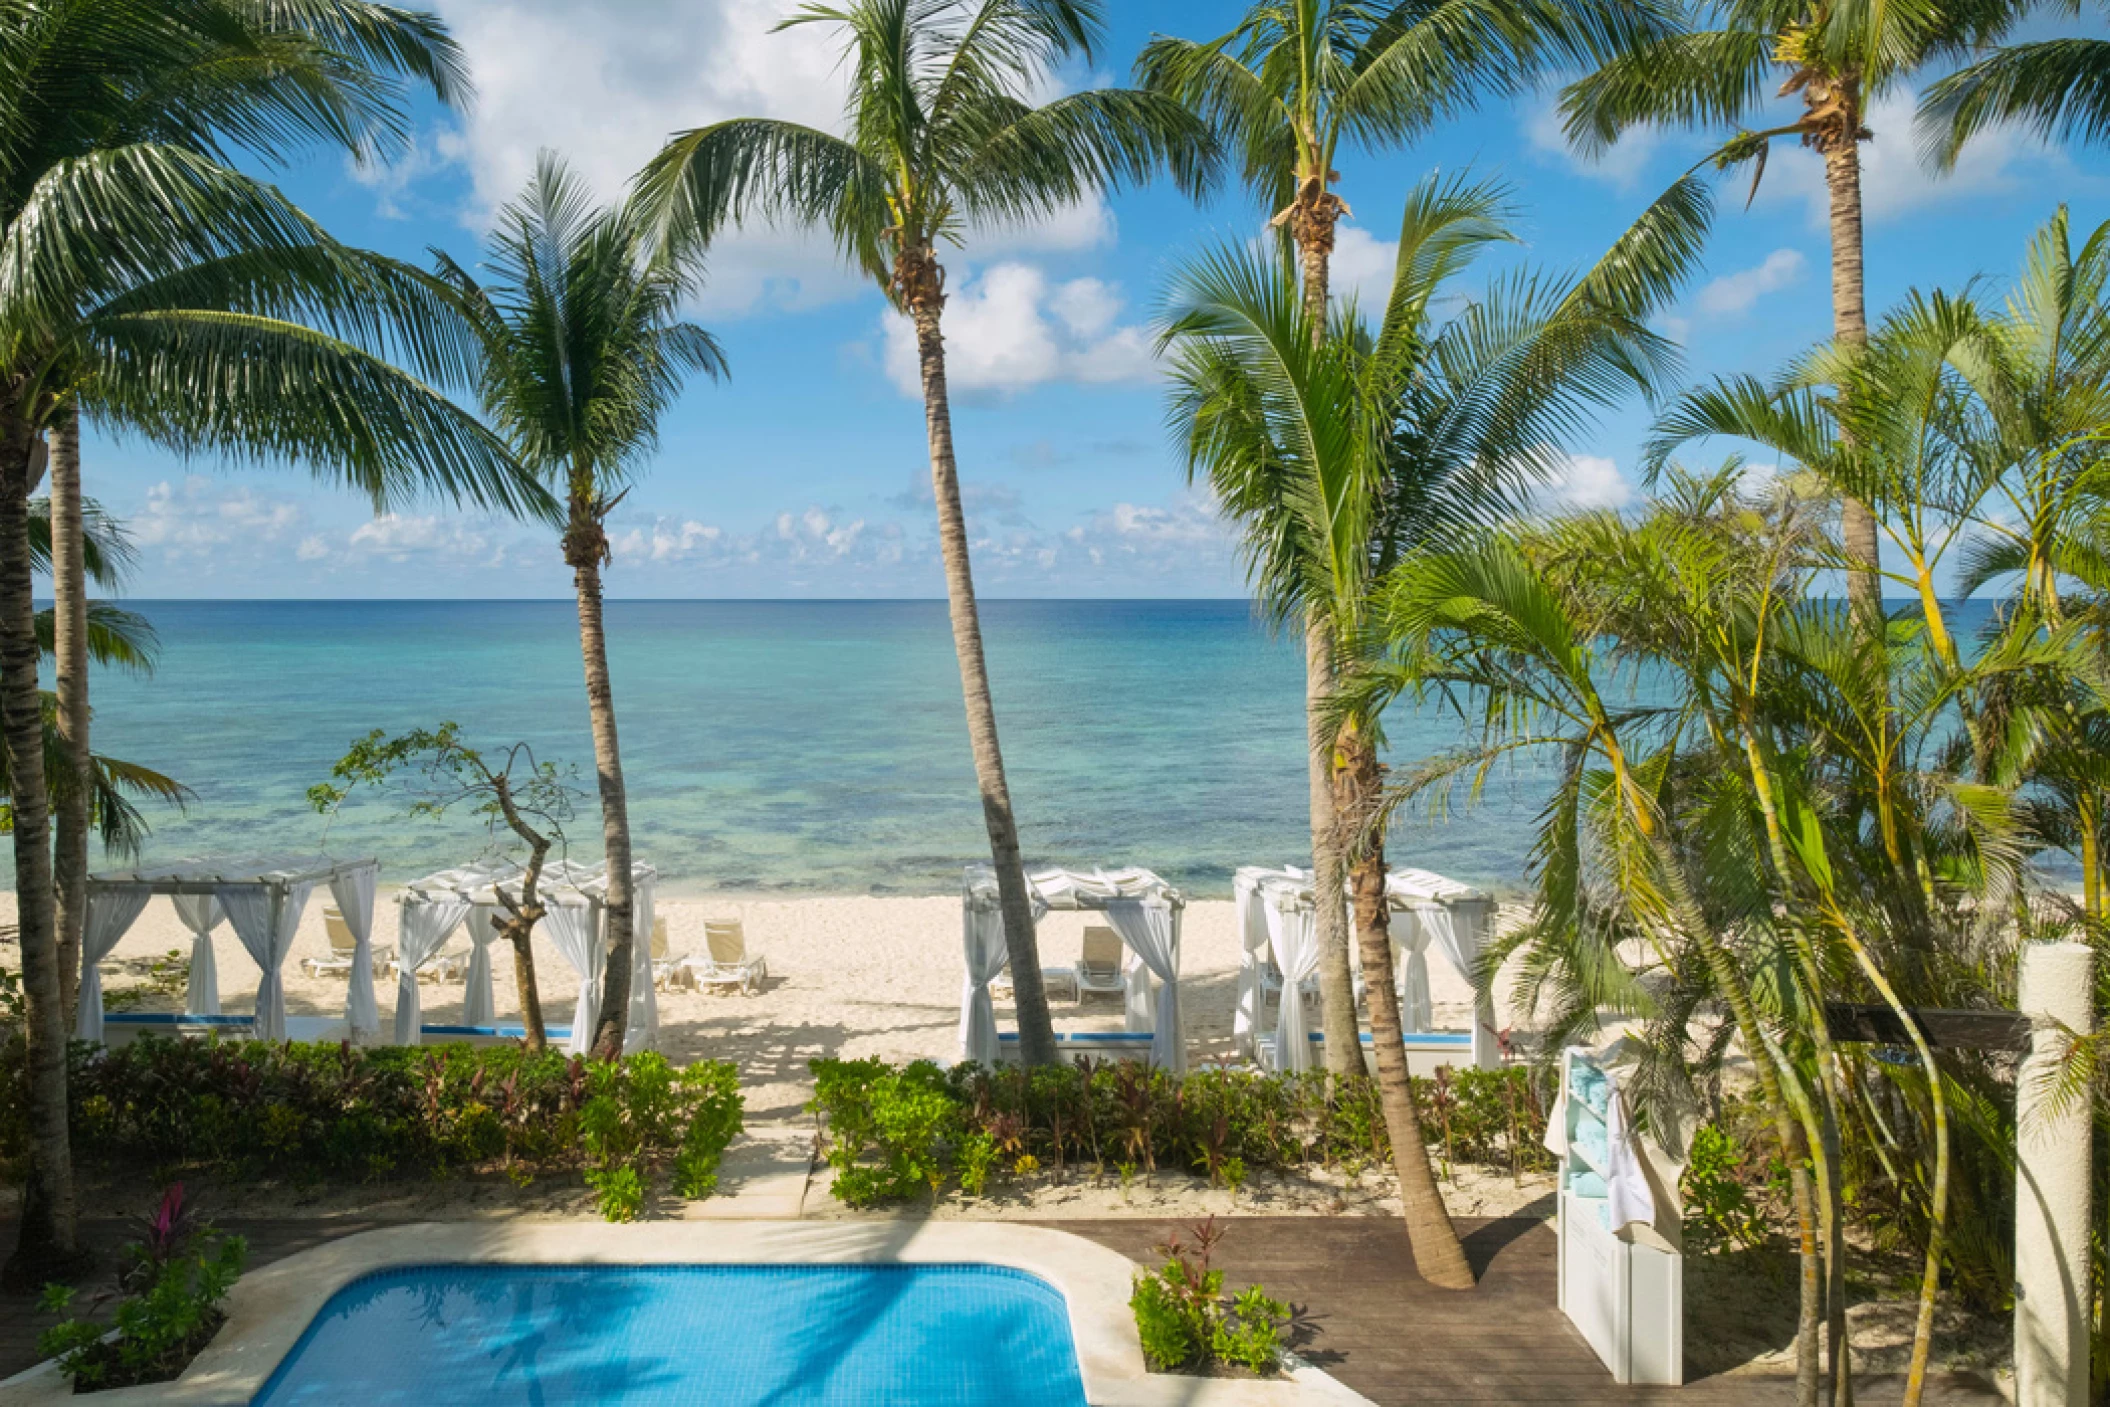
(773, 747)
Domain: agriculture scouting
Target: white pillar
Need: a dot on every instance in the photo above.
(2053, 1140)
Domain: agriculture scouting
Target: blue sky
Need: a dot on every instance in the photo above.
(805, 474)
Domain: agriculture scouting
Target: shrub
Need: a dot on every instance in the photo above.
(890, 1131)
(1719, 1210)
(171, 1286)
(1185, 1322)
(318, 1113)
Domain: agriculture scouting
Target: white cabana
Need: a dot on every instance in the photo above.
(1138, 905)
(576, 898)
(1427, 909)
(260, 896)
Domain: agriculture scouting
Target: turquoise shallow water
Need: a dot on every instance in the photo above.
(686, 1336)
(814, 747)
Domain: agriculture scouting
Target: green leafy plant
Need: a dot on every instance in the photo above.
(1719, 1210)
(170, 1288)
(1185, 1322)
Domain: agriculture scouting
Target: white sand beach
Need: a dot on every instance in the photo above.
(847, 977)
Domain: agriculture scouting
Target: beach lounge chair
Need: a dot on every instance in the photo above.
(727, 964)
(343, 948)
(1099, 964)
(449, 964)
(666, 968)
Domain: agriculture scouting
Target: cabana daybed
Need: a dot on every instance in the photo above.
(261, 897)
(1279, 949)
(1139, 906)
(575, 897)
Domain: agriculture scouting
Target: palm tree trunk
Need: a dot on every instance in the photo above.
(70, 798)
(46, 1243)
(1438, 1254)
(586, 548)
(1036, 1028)
(1842, 176)
(1329, 868)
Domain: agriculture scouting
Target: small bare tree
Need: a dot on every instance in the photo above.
(531, 798)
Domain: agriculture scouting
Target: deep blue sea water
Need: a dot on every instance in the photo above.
(791, 747)
(686, 1336)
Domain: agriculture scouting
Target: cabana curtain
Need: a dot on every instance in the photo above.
(265, 917)
(1410, 932)
(421, 928)
(1151, 931)
(1293, 934)
(354, 892)
(200, 913)
(479, 1004)
(110, 912)
(1153, 942)
(577, 938)
(574, 899)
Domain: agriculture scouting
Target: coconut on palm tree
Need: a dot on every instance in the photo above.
(1345, 453)
(583, 349)
(1734, 57)
(1289, 87)
(153, 288)
(944, 138)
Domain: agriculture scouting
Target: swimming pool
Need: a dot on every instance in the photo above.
(686, 1336)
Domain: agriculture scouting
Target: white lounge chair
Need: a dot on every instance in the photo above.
(727, 964)
(344, 949)
(449, 964)
(666, 968)
(1003, 986)
(1099, 964)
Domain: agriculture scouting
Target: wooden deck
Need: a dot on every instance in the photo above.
(1364, 1315)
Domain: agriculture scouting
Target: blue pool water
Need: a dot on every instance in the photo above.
(686, 1336)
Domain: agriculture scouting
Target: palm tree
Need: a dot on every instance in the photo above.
(1346, 454)
(1729, 62)
(2058, 88)
(943, 136)
(583, 350)
(153, 288)
(1286, 89)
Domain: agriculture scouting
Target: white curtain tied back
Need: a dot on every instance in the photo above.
(641, 1027)
(575, 931)
(1293, 933)
(354, 892)
(265, 917)
(1151, 929)
(200, 915)
(111, 911)
(479, 1003)
(422, 928)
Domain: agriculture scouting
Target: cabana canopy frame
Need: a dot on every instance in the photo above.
(1274, 913)
(262, 898)
(575, 897)
(1140, 906)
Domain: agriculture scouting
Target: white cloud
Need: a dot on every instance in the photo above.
(607, 82)
(1735, 293)
(202, 518)
(395, 537)
(1623, 164)
(667, 540)
(1362, 269)
(1588, 481)
(1010, 330)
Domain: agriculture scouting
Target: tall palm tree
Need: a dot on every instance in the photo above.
(1287, 89)
(154, 288)
(1349, 453)
(583, 349)
(943, 136)
(1735, 56)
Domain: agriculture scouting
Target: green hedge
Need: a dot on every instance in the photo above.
(320, 1113)
(896, 1132)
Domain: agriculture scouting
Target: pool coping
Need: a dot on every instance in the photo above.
(271, 1308)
